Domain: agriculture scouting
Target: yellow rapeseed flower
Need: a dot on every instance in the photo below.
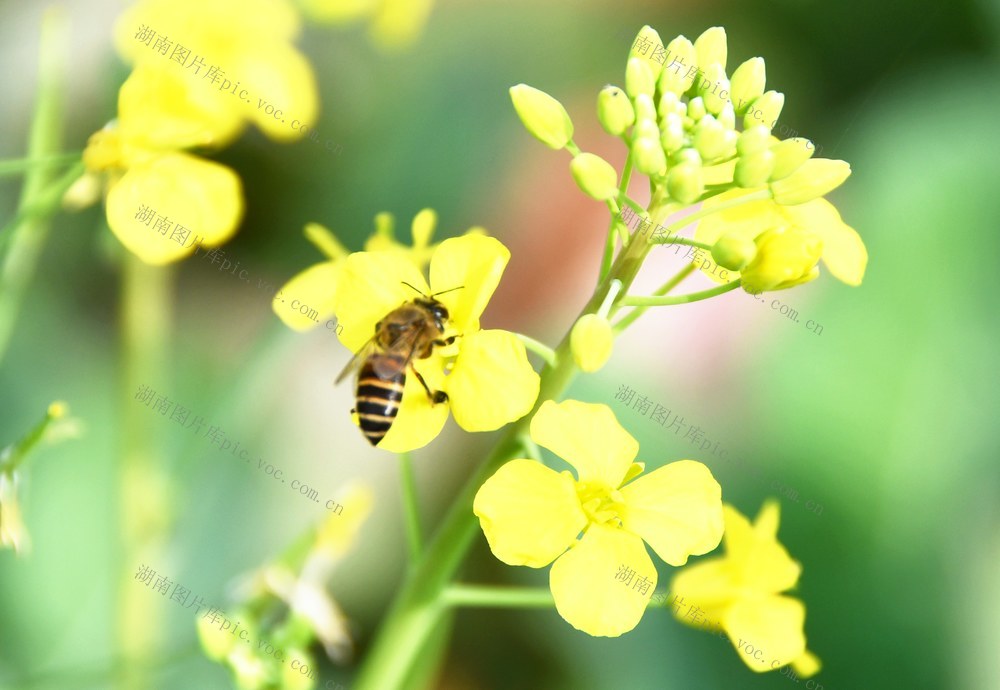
(394, 23)
(741, 593)
(532, 515)
(817, 221)
(485, 373)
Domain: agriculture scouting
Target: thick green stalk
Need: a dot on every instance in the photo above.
(411, 509)
(499, 597)
(419, 606)
(17, 166)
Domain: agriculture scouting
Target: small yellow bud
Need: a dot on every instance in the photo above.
(86, 191)
(786, 257)
(646, 129)
(216, 642)
(543, 116)
(696, 108)
(727, 116)
(789, 155)
(638, 78)
(648, 155)
(595, 176)
(753, 140)
(591, 342)
(672, 138)
(644, 108)
(684, 182)
(58, 409)
(644, 46)
(733, 252)
(813, 179)
(764, 110)
(714, 89)
(710, 138)
(677, 74)
(250, 671)
(423, 226)
(710, 48)
(753, 169)
(670, 104)
(747, 84)
(614, 110)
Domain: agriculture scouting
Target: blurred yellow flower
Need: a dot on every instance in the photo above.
(224, 63)
(532, 515)
(741, 592)
(814, 224)
(13, 533)
(485, 373)
(394, 23)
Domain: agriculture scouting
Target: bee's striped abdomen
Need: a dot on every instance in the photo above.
(379, 397)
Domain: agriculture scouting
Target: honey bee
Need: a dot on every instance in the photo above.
(410, 331)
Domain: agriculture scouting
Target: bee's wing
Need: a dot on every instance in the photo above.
(403, 348)
(357, 360)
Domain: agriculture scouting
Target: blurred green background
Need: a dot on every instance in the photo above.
(885, 419)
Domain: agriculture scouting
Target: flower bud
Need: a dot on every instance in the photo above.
(684, 182)
(673, 133)
(543, 116)
(646, 129)
(764, 110)
(713, 87)
(647, 36)
(813, 179)
(786, 257)
(733, 252)
(591, 342)
(614, 110)
(753, 169)
(86, 191)
(250, 671)
(753, 140)
(638, 78)
(789, 155)
(595, 176)
(747, 84)
(710, 48)
(670, 104)
(644, 108)
(648, 155)
(710, 138)
(674, 76)
(216, 642)
(696, 108)
(296, 678)
(727, 116)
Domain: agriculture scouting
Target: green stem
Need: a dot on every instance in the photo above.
(540, 349)
(12, 456)
(676, 239)
(498, 597)
(609, 244)
(16, 166)
(418, 609)
(410, 507)
(28, 236)
(662, 301)
(635, 313)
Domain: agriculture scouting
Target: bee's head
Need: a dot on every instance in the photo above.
(438, 310)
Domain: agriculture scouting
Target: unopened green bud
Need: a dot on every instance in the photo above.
(687, 155)
(669, 103)
(595, 176)
(696, 108)
(638, 78)
(747, 84)
(764, 110)
(648, 155)
(675, 75)
(673, 133)
(644, 46)
(813, 179)
(543, 116)
(614, 110)
(733, 252)
(644, 108)
(647, 129)
(710, 48)
(753, 140)
(753, 170)
(786, 257)
(715, 89)
(789, 155)
(684, 182)
(591, 342)
(709, 138)
(727, 116)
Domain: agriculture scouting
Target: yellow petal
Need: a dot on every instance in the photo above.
(746, 221)
(337, 11)
(419, 421)
(308, 299)
(807, 664)
(398, 23)
(763, 564)
(369, 287)
(771, 626)
(844, 253)
(199, 197)
(529, 513)
(492, 383)
(712, 585)
(160, 107)
(676, 509)
(283, 82)
(591, 584)
(588, 437)
(473, 263)
(768, 519)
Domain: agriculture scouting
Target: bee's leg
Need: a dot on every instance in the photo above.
(436, 396)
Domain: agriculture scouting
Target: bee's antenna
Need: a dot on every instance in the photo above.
(411, 287)
(448, 290)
